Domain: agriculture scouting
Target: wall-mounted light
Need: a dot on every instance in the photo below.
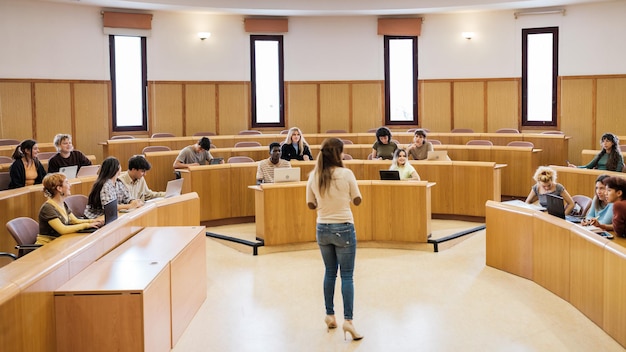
(544, 11)
(467, 35)
(204, 35)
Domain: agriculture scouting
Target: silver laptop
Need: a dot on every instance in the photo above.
(69, 171)
(286, 174)
(438, 155)
(174, 188)
(89, 170)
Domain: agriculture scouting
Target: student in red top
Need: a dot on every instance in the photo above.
(616, 194)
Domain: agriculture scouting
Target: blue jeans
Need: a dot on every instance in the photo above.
(337, 243)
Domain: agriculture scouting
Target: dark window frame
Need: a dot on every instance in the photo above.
(144, 84)
(281, 81)
(415, 120)
(555, 74)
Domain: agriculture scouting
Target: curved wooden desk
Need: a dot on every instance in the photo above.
(577, 265)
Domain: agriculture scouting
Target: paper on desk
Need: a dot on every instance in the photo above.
(591, 228)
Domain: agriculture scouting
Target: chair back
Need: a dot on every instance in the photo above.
(462, 130)
(552, 132)
(585, 204)
(155, 148)
(479, 142)
(204, 134)
(372, 130)
(247, 144)
(240, 159)
(284, 132)
(347, 141)
(24, 231)
(347, 156)
(369, 156)
(244, 132)
(123, 136)
(337, 131)
(162, 135)
(396, 141)
(77, 204)
(507, 130)
(622, 147)
(5, 179)
(520, 144)
(5, 160)
(434, 141)
(45, 155)
(9, 142)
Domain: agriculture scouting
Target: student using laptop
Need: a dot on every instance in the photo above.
(108, 188)
(196, 154)
(400, 163)
(545, 178)
(616, 194)
(66, 155)
(265, 169)
(419, 149)
(55, 217)
(134, 179)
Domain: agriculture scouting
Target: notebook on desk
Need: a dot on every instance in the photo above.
(286, 174)
(69, 171)
(390, 175)
(556, 207)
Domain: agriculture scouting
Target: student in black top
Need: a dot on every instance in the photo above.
(66, 155)
(26, 170)
(295, 147)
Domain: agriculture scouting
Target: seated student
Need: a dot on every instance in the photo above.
(55, 218)
(546, 183)
(265, 169)
(26, 170)
(616, 194)
(108, 188)
(196, 154)
(383, 148)
(601, 212)
(295, 147)
(407, 171)
(419, 149)
(610, 157)
(134, 180)
(66, 155)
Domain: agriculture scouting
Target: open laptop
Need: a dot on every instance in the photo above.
(69, 171)
(173, 189)
(89, 170)
(286, 174)
(556, 207)
(438, 155)
(393, 175)
(110, 214)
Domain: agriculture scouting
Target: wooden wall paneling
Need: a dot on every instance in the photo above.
(468, 105)
(233, 107)
(334, 106)
(167, 108)
(200, 108)
(611, 107)
(302, 108)
(367, 106)
(436, 106)
(502, 104)
(91, 116)
(577, 115)
(53, 110)
(16, 105)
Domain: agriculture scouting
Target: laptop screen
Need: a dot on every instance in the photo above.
(393, 175)
(69, 171)
(555, 207)
(174, 188)
(438, 155)
(286, 174)
(110, 212)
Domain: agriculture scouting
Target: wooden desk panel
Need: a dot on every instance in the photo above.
(214, 185)
(8, 150)
(241, 176)
(473, 183)
(586, 155)
(614, 308)
(580, 181)
(162, 169)
(551, 248)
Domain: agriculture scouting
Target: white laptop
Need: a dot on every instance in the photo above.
(286, 174)
(89, 170)
(173, 189)
(69, 171)
(438, 155)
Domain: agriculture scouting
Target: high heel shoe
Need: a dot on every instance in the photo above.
(330, 322)
(348, 327)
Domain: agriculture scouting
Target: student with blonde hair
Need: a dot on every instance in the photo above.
(295, 147)
(546, 184)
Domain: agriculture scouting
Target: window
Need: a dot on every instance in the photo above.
(267, 85)
(128, 83)
(400, 80)
(540, 58)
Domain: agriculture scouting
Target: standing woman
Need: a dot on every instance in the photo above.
(610, 157)
(295, 147)
(26, 170)
(330, 189)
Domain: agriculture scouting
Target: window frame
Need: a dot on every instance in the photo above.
(555, 74)
(388, 120)
(144, 84)
(281, 81)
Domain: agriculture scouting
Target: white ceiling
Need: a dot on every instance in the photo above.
(324, 7)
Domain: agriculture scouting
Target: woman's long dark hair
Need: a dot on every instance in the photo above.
(329, 158)
(110, 167)
(611, 163)
(20, 150)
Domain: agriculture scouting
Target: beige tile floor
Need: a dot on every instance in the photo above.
(406, 300)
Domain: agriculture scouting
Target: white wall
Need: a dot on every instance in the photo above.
(59, 41)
